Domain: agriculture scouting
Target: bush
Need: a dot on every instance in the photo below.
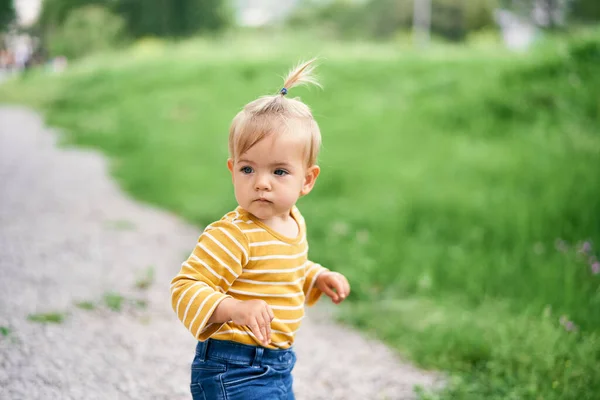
(87, 29)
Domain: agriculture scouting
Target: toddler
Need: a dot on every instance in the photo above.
(242, 291)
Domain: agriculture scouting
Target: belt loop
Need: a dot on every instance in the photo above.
(258, 356)
(203, 349)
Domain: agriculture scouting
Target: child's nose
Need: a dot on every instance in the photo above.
(262, 182)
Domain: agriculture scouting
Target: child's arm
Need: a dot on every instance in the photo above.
(200, 286)
(319, 280)
(255, 314)
(311, 292)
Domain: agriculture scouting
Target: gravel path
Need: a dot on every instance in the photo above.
(69, 235)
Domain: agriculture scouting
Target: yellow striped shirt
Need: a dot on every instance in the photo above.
(240, 257)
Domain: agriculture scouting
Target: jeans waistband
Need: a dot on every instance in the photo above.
(242, 354)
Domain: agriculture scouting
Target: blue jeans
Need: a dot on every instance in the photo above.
(224, 370)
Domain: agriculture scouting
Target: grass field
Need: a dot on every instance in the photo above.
(458, 186)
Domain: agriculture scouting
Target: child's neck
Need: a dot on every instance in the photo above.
(283, 224)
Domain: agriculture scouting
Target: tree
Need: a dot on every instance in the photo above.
(54, 13)
(145, 17)
(171, 17)
(7, 14)
(586, 10)
(86, 30)
(555, 13)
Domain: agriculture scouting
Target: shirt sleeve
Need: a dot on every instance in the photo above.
(311, 292)
(207, 274)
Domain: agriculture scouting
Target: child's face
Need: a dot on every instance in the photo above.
(269, 178)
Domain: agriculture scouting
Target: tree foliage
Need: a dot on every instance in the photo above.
(145, 17)
(7, 14)
(171, 17)
(87, 29)
(558, 12)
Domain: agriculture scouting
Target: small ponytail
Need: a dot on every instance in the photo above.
(300, 75)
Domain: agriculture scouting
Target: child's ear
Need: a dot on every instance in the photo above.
(309, 179)
(230, 168)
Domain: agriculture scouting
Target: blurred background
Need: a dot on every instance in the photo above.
(459, 188)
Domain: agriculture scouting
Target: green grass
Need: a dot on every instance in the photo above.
(47, 318)
(86, 305)
(114, 301)
(457, 186)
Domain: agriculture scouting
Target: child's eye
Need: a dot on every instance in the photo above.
(246, 170)
(281, 172)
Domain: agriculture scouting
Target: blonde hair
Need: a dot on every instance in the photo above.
(278, 115)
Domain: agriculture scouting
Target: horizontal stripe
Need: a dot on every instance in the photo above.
(284, 333)
(274, 271)
(249, 333)
(266, 294)
(278, 283)
(278, 256)
(236, 331)
(269, 243)
(288, 321)
(281, 344)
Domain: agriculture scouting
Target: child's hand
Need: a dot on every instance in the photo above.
(328, 281)
(257, 315)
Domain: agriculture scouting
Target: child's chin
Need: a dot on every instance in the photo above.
(260, 214)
